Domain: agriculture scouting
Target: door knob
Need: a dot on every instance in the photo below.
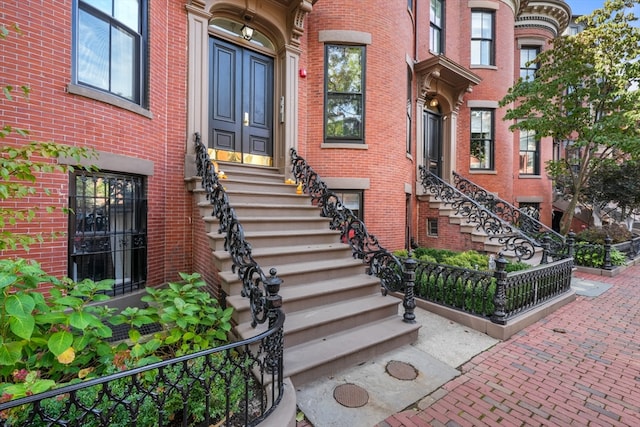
(246, 119)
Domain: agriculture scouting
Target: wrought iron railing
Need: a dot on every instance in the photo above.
(496, 295)
(365, 246)
(526, 222)
(255, 283)
(511, 239)
(223, 386)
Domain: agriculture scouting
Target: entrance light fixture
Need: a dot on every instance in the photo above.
(247, 32)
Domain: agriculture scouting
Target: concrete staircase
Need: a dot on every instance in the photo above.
(481, 240)
(336, 316)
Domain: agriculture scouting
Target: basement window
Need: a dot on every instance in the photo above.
(432, 227)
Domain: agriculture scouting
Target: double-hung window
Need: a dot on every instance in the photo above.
(482, 139)
(529, 153)
(110, 44)
(344, 93)
(528, 66)
(436, 32)
(482, 37)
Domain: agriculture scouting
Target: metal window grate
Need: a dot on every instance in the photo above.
(107, 230)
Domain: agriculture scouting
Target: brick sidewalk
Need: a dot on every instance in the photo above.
(580, 366)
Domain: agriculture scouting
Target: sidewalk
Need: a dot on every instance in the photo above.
(579, 366)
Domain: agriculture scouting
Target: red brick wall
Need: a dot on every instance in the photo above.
(41, 58)
(384, 162)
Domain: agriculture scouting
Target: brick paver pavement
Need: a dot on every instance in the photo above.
(580, 366)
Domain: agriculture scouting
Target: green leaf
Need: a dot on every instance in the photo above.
(10, 353)
(19, 304)
(22, 325)
(79, 319)
(59, 342)
(68, 301)
(40, 386)
(134, 335)
(7, 279)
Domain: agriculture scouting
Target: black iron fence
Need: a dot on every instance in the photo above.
(238, 384)
(496, 295)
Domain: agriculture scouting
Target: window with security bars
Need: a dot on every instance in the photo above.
(108, 230)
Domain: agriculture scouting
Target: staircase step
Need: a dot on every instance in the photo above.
(303, 297)
(244, 196)
(302, 273)
(288, 254)
(265, 239)
(324, 320)
(254, 223)
(328, 355)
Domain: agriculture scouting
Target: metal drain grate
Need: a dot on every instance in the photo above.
(401, 370)
(350, 395)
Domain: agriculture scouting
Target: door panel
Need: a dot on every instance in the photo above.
(433, 143)
(241, 104)
(225, 108)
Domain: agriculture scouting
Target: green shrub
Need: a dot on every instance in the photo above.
(596, 235)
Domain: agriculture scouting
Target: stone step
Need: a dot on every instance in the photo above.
(328, 319)
(303, 297)
(266, 239)
(329, 355)
(258, 223)
(279, 255)
(302, 273)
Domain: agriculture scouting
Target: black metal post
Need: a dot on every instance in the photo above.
(409, 301)
(500, 297)
(274, 342)
(607, 253)
(546, 248)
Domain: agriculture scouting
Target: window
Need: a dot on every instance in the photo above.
(436, 35)
(573, 30)
(482, 34)
(528, 68)
(352, 199)
(107, 230)
(409, 108)
(344, 88)
(529, 153)
(110, 44)
(481, 139)
(432, 227)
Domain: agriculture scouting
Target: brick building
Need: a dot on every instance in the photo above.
(366, 91)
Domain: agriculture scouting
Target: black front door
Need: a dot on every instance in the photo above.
(433, 143)
(241, 110)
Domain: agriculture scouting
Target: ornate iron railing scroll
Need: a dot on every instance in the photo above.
(496, 228)
(365, 246)
(255, 283)
(526, 222)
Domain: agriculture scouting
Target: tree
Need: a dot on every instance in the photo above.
(615, 191)
(585, 95)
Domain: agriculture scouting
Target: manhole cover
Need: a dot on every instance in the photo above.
(401, 370)
(351, 395)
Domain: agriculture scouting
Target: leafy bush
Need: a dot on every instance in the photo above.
(49, 340)
(617, 232)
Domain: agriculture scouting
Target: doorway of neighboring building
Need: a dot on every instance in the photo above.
(433, 142)
(241, 110)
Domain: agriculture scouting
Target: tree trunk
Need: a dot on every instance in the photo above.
(567, 218)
